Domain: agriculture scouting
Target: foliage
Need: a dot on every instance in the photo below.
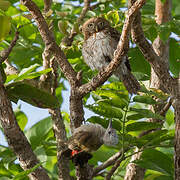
(129, 113)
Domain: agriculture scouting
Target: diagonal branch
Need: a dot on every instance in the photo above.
(69, 39)
(16, 138)
(107, 163)
(49, 41)
(5, 53)
(150, 55)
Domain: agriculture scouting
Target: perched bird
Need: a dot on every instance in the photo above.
(100, 42)
(88, 138)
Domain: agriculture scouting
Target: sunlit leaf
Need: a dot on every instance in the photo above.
(147, 113)
(5, 24)
(38, 131)
(21, 118)
(144, 99)
(32, 95)
(156, 160)
(106, 110)
(142, 126)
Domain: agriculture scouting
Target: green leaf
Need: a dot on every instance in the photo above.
(27, 172)
(138, 62)
(144, 99)
(153, 135)
(36, 74)
(113, 16)
(135, 117)
(170, 117)
(14, 168)
(103, 122)
(4, 5)
(156, 160)
(142, 126)
(141, 76)
(37, 132)
(31, 95)
(102, 154)
(147, 113)
(114, 97)
(5, 24)
(21, 118)
(156, 138)
(154, 92)
(163, 177)
(11, 77)
(106, 110)
(4, 171)
(24, 72)
(164, 33)
(118, 87)
(174, 50)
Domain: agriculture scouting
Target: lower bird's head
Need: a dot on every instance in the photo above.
(110, 137)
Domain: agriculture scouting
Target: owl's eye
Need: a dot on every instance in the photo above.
(101, 24)
(91, 25)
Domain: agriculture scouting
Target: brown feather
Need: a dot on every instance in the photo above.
(100, 42)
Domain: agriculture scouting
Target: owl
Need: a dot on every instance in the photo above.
(100, 42)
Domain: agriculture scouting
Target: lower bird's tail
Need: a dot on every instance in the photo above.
(77, 157)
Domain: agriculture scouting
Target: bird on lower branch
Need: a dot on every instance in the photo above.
(88, 138)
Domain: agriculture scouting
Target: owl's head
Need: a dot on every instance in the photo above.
(94, 25)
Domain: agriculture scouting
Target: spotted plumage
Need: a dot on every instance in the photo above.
(100, 42)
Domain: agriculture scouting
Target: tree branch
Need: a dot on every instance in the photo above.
(5, 53)
(47, 5)
(49, 41)
(157, 55)
(69, 39)
(150, 55)
(113, 169)
(107, 163)
(16, 138)
(121, 50)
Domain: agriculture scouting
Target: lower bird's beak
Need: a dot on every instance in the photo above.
(110, 123)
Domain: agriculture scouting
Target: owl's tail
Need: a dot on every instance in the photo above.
(130, 82)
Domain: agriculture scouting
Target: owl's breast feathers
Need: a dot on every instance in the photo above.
(97, 48)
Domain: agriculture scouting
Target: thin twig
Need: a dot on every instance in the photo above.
(107, 163)
(113, 169)
(50, 43)
(69, 39)
(166, 107)
(5, 53)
